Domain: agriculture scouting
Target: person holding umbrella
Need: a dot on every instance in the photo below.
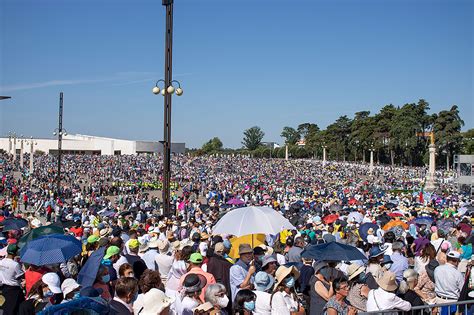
(11, 275)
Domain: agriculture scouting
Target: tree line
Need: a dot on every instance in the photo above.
(394, 135)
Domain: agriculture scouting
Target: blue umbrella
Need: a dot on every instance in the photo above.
(88, 273)
(424, 220)
(14, 224)
(50, 249)
(333, 251)
(363, 228)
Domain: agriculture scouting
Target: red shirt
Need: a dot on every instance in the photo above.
(33, 276)
(78, 231)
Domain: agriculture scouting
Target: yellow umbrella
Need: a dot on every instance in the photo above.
(252, 239)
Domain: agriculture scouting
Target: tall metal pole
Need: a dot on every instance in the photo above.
(167, 107)
(60, 140)
(21, 154)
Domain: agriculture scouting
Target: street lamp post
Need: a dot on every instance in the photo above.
(21, 152)
(14, 147)
(10, 143)
(32, 143)
(167, 91)
(60, 132)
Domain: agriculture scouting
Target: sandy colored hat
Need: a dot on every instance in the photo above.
(151, 303)
(388, 281)
(354, 270)
(283, 271)
(245, 249)
(268, 250)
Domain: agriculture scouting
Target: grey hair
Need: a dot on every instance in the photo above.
(211, 291)
(409, 276)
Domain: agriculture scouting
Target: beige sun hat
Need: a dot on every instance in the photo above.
(388, 281)
(354, 270)
(283, 271)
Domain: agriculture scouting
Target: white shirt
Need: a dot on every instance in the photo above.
(448, 281)
(164, 263)
(10, 272)
(437, 243)
(380, 299)
(283, 304)
(262, 304)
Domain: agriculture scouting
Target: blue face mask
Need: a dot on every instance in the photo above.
(249, 306)
(290, 282)
(48, 294)
(135, 297)
(76, 295)
(106, 278)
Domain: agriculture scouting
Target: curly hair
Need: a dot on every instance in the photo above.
(150, 279)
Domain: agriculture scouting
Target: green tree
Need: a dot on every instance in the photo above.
(337, 136)
(383, 142)
(291, 135)
(447, 128)
(468, 142)
(253, 138)
(306, 130)
(213, 145)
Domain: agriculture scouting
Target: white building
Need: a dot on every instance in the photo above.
(82, 144)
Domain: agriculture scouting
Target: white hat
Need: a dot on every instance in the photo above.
(68, 286)
(453, 254)
(153, 243)
(36, 223)
(151, 303)
(53, 282)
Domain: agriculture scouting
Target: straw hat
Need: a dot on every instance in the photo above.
(151, 303)
(388, 281)
(283, 271)
(354, 270)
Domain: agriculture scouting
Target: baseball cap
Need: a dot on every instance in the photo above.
(133, 243)
(53, 282)
(196, 258)
(453, 254)
(92, 239)
(12, 249)
(112, 250)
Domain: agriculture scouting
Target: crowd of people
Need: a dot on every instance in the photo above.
(417, 246)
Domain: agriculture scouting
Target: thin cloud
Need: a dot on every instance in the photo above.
(120, 78)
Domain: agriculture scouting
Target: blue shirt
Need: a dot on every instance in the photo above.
(400, 264)
(238, 272)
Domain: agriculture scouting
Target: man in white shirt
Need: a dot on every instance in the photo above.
(164, 260)
(11, 276)
(384, 297)
(448, 279)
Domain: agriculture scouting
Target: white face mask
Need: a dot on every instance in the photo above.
(223, 301)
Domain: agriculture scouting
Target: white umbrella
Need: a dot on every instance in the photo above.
(355, 217)
(252, 220)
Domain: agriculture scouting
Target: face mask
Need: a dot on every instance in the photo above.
(48, 294)
(106, 278)
(134, 297)
(388, 266)
(76, 295)
(106, 262)
(249, 306)
(290, 282)
(223, 301)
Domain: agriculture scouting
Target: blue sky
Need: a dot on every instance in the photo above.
(241, 63)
